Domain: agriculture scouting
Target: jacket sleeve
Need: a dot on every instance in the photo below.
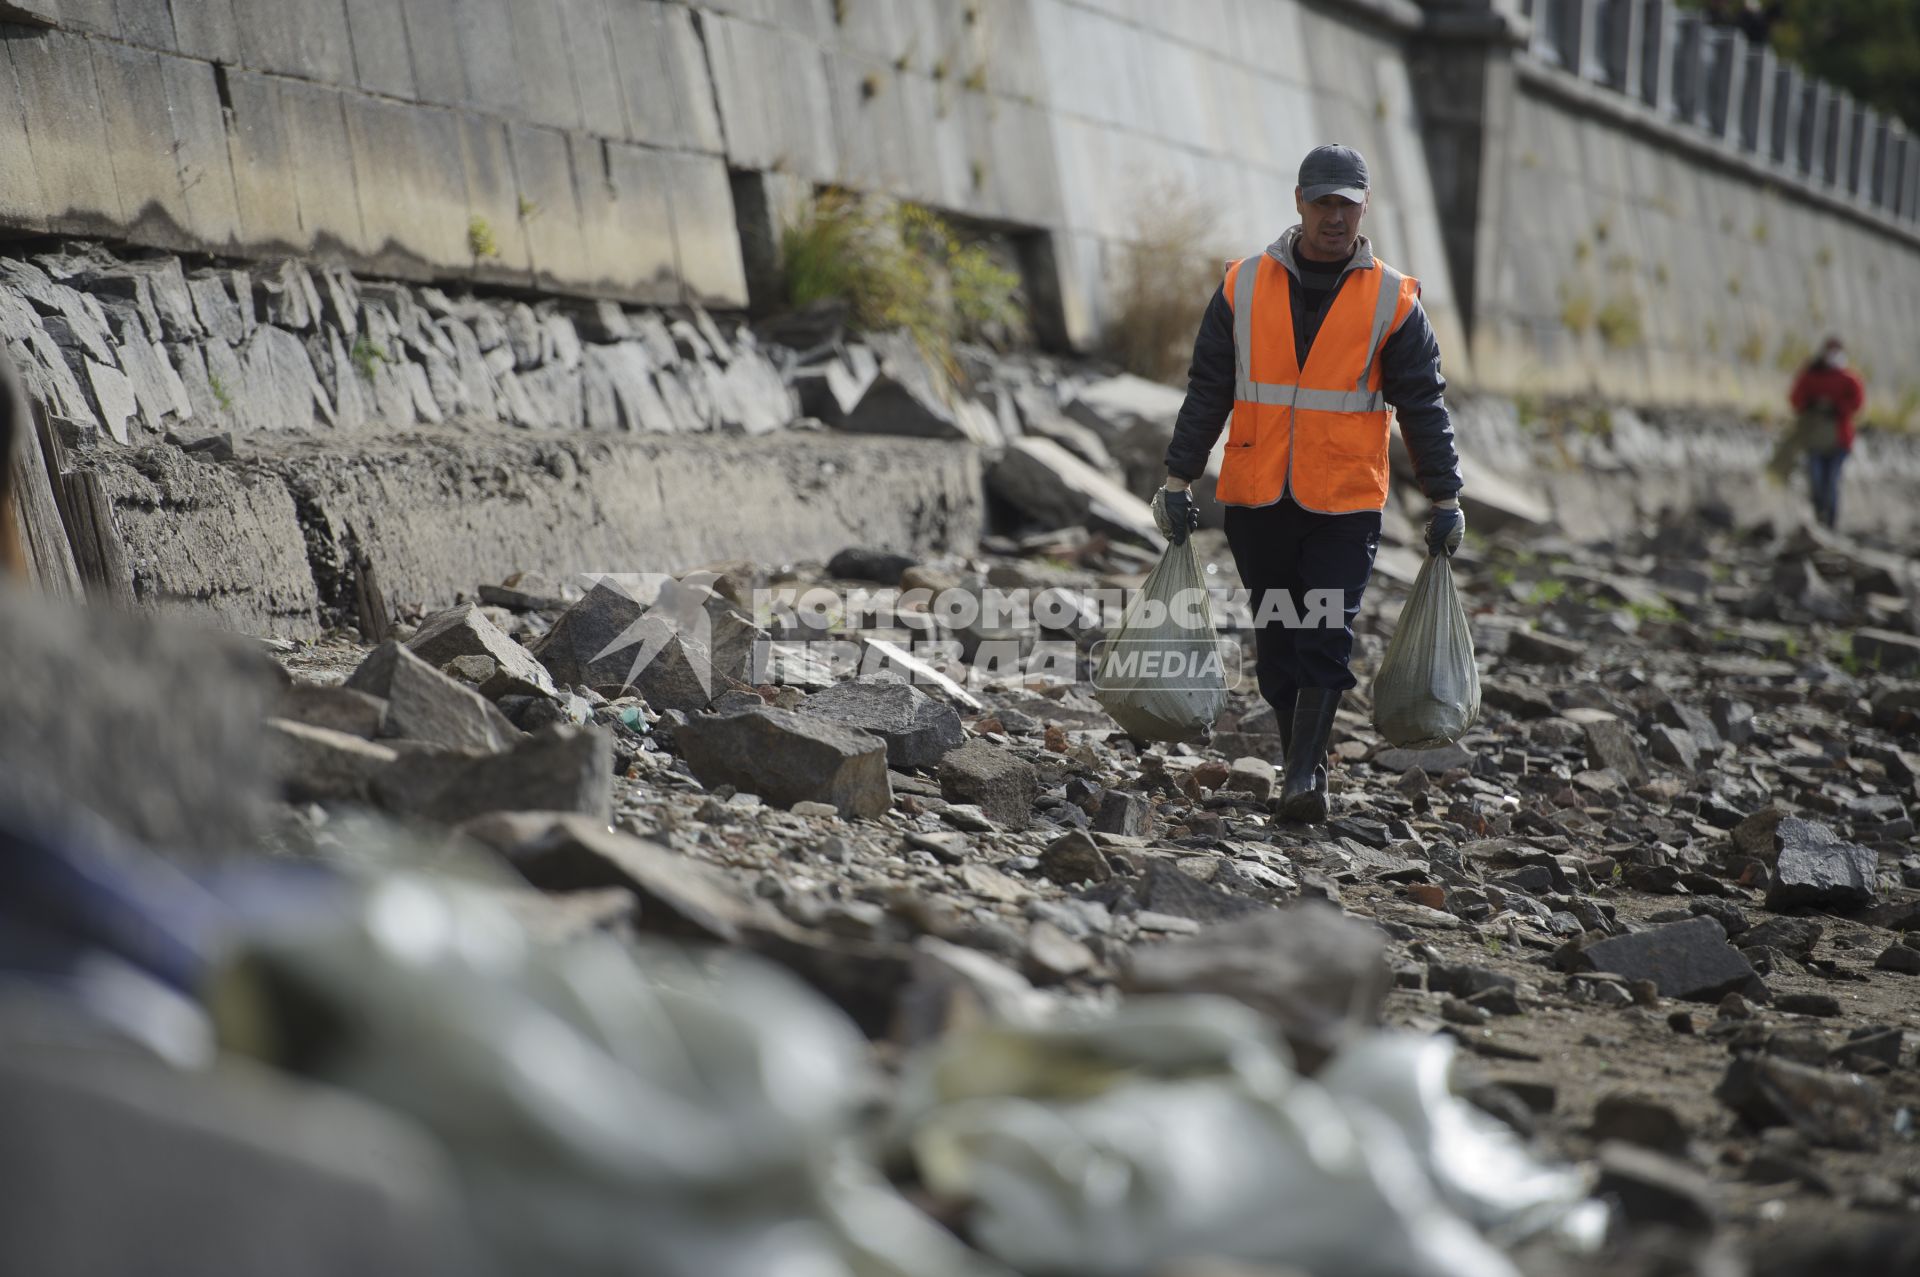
(1209, 399)
(1857, 392)
(1411, 380)
(1797, 397)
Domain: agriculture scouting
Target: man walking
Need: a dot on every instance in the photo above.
(1832, 392)
(1303, 348)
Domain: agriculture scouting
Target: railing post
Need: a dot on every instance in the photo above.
(1586, 55)
(1621, 35)
(1657, 54)
(1815, 121)
(1786, 115)
(1549, 17)
(1729, 75)
(1846, 115)
(1690, 70)
(1756, 101)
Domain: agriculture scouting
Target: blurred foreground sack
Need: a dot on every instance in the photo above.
(1427, 693)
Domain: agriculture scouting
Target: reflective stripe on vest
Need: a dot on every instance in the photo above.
(1315, 431)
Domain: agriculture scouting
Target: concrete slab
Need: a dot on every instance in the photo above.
(545, 68)
(146, 24)
(382, 56)
(711, 269)
(408, 159)
(550, 208)
(305, 38)
(93, 17)
(639, 39)
(23, 203)
(775, 99)
(260, 159)
(627, 219)
(207, 29)
(320, 154)
(40, 13)
(484, 31)
(433, 47)
(493, 199)
(65, 132)
(613, 503)
(200, 152)
(595, 73)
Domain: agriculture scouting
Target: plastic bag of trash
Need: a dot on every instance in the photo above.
(1163, 676)
(1815, 429)
(1177, 1128)
(1427, 692)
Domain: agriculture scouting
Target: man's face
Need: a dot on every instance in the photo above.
(1329, 226)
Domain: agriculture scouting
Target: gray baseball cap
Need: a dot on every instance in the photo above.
(1333, 170)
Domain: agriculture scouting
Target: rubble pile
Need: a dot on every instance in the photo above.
(1659, 896)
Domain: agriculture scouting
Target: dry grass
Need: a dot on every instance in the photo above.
(1166, 279)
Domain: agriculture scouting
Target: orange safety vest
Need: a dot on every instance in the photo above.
(1317, 433)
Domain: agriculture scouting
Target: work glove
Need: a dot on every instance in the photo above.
(1445, 526)
(1175, 514)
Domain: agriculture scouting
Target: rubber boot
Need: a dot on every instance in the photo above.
(1303, 793)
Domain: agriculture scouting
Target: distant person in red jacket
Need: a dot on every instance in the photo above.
(1828, 384)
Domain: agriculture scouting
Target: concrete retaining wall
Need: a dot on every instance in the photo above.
(265, 544)
(568, 145)
(1604, 194)
(1648, 209)
(583, 146)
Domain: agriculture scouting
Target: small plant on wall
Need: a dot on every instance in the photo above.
(900, 265)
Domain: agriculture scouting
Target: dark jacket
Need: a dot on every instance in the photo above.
(1410, 380)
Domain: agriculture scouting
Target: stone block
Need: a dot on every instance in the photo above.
(67, 133)
(788, 758)
(381, 59)
(408, 160)
(563, 854)
(711, 270)
(561, 768)
(918, 730)
(320, 157)
(260, 155)
(317, 764)
(427, 706)
(466, 631)
(297, 38)
(1690, 960)
(998, 781)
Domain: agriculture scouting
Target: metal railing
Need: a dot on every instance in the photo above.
(1713, 79)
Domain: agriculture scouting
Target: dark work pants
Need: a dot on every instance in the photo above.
(1823, 476)
(1282, 547)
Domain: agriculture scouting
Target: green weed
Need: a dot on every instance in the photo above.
(220, 393)
(367, 356)
(480, 240)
